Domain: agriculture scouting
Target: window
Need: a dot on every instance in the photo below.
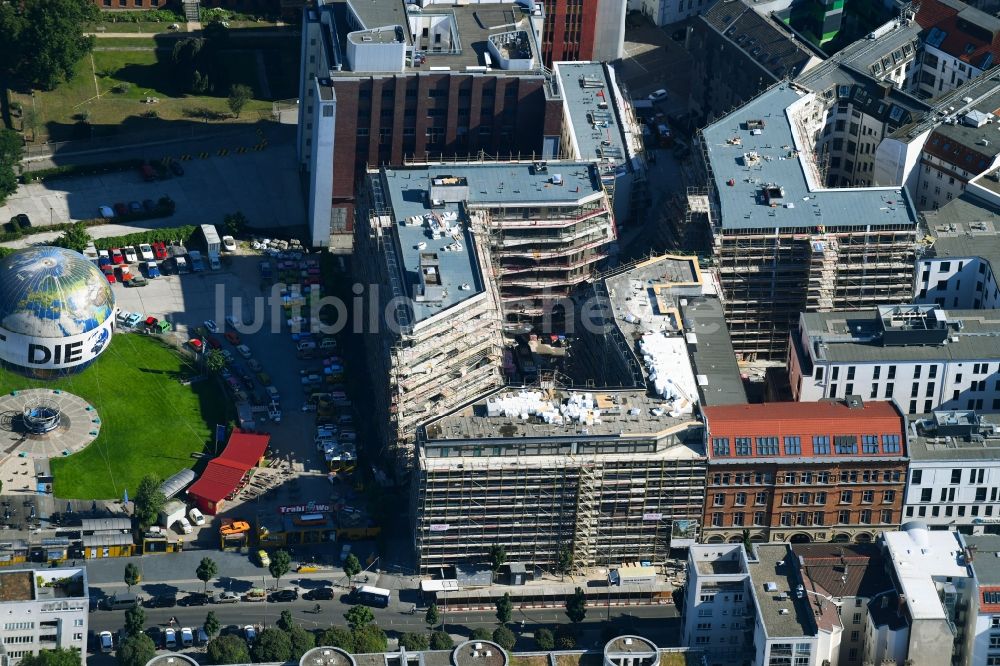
(869, 443)
(890, 444)
(767, 446)
(742, 446)
(980, 494)
(889, 496)
(793, 446)
(820, 498)
(716, 520)
(956, 476)
(892, 372)
(886, 516)
(740, 499)
(788, 499)
(866, 516)
(817, 517)
(867, 496)
(845, 444)
(843, 517)
(719, 500)
(846, 496)
(821, 444)
(758, 517)
(805, 498)
(738, 519)
(786, 519)
(720, 446)
(760, 499)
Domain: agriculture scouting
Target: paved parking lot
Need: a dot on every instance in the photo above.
(186, 301)
(263, 184)
(653, 60)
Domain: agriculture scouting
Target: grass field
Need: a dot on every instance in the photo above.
(150, 422)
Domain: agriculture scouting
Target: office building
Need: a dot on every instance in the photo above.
(664, 300)
(828, 471)
(384, 82)
(43, 609)
(984, 559)
(610, 476)
(923, 357)
(783, 243)
(600, 126)
(925, 617)
(583, 30)
(954, 471)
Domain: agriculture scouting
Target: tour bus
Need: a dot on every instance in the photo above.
(372, 596)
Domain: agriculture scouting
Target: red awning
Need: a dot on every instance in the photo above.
(222, 476)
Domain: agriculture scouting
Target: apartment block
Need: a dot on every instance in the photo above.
(828, 471)
(925, 617)
(954, 471)
(43, 609)
(783, 243)
(582, 30)
(923, 357)
(664, 12)
(389, 81)
(609, 476)
(984, 558)
(961, 42)
(600, 126)
(439, 344)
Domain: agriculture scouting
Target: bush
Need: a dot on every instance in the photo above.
(413, 641)
(69, 170)
(147, 16)
(481, 634)
(565, 638)
(441, 640)
(165, 234)
(504, 637)
(545, 639)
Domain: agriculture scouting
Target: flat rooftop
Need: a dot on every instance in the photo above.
(966, 227)
(669, 293)
(784, 612)
(954, 435)
(591, 109)
(719, 567)
(465, 28)
(17, 585)
(760, 176)
(553, 413)
(845, 337)
(986, 560)
(920, 555)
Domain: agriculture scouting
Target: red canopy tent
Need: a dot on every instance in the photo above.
(223, 475)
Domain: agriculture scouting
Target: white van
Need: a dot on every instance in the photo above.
(306, 345)
(182, 525)
(196, 516)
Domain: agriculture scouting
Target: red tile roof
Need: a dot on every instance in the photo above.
(957, 41)
(802, 419)
(222, 476)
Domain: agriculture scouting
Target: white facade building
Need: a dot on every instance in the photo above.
(718, 583)
(663, 12)
(923, 357)
(954, 476)
(43, 609)
(985, 606)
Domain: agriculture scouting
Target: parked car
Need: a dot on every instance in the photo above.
(103, 258)
(285, 595)
(213, 342)
(233, 337)
(254, 364)
(194, 599)
(210, 325)
(121, 208)
(137, 281)
(176, 168)
(147, 172)
(23, 221)
(229, 244)
(146, 251)
(169, 638)
(107, 642)
(130, 255)
(657, 95)
(109, 273)
(134, 207)
(244, 351)
(183, 525)
(249, 633)
(116, 256)
(263, 558)
(195, 344)
(187, 637)
(272, 393)
(319, 594)
(160, 250)
(152, 270)
(227, 598)
(162, 601)
(196, 516)
(148, 205)
(106, 212)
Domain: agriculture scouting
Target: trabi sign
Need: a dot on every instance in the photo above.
(55, 353)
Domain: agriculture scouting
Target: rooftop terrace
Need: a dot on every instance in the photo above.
(765, 180)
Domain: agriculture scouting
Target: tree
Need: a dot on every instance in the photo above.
(135, 620)
(132, 575)
(43, 39)
(302, 641)
(545, 639)
(338, 637)
(206, 571)
(272, 645)
(229, 649)
(359, 616)
(431, 616)
(281, 562)
(747, 544)
(136, 650)
(11, 152)
(239, 95)
(234, 223)
(212, 625)
(564, 561)
(504, 637)
(286, 621)
(57, 657)
(565, 638)
(369, 639)
(441, 640)
(505, 608)
(215, 361)
(75, 238)
(576, 606)
(148, 501)
(481, 634)
(352, 567)
(498, 557)
(414, 642)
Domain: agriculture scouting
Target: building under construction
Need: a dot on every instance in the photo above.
(604, 476)
(782, 242)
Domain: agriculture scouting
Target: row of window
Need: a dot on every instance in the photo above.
(805, 518)
(807, 478)
(949, 511)
(792, 445)
(976, 476)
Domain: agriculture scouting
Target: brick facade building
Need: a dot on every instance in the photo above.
(827, 471)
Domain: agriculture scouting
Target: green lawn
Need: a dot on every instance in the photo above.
(150, 422)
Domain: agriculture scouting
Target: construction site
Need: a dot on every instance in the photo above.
(783, 243)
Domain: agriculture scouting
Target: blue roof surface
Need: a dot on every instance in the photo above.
(585, 87)
(740, 185)
(489, 184)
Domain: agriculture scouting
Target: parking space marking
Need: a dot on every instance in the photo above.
(222, 152)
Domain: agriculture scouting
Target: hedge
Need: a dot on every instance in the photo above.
(183, 233)
(69, 170)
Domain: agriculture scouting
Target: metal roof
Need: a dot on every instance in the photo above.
(105, 524)
(986, 563)
(774, 580)
(754, 150)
